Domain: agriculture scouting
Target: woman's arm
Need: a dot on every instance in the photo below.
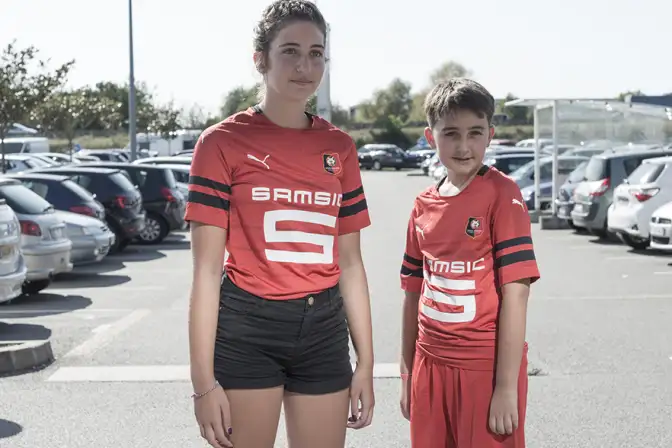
(208, 248)
(355, 289)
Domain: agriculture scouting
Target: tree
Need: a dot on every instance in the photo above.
(118, 93)
(239, 99)
(393, 101)
(70, 111)
(448, 70)
(21, 89)
(166, 122)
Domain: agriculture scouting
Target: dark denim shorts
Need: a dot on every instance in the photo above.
(300, 344)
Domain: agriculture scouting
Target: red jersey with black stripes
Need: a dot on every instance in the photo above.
(284, 196)
(460, 250)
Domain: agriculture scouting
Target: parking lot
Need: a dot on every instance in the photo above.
(598, 328)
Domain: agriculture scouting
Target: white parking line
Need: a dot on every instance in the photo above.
(632, 257)
(102, 336)
(663, 273)
(181, 373)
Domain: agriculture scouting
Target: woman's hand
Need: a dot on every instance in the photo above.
(214, 418)
(362, 399)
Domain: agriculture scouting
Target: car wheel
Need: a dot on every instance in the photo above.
(635, 243)
(377, 165)
(35, 286)
(155, 231)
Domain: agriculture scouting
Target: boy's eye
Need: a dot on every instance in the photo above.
(316, 53)
(290, 51)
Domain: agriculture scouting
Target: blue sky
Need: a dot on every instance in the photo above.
(194, 51)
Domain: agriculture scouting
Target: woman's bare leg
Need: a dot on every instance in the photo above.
(255, 414)
(317, 420)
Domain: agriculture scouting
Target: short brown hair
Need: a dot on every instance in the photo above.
(458, 94)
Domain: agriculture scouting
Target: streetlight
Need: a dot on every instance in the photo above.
(131, 86)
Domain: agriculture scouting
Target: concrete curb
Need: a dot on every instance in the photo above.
(18, 356)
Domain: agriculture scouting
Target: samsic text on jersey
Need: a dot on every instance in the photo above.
(284, 195)
(460, 250)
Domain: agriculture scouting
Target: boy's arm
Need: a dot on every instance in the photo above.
(411, 283)
(512, 324)
(516, 268)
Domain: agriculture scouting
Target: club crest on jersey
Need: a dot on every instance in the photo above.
(332, 164)
(474, 227)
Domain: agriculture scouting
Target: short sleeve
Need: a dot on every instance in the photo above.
(354, 213)
(512, 237)
(412, 263)
(209, 194)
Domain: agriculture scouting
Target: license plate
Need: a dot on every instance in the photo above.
(6, 251)
(658, 231)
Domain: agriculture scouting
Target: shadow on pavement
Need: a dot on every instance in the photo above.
(650, 253)
(77, 280)
(43, 305)
(9, 429)
(172, 245)
(611, 241)
(137, 253)
(103, 267)
(23, 332)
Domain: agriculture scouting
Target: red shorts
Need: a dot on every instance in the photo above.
(450, 407)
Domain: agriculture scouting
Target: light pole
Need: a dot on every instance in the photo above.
(131, 86)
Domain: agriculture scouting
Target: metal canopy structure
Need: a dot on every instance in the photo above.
(580, 120)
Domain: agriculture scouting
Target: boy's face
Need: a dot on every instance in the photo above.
(460, 140)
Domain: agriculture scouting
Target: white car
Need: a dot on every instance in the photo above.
(648, 187)
(12, 265)
(660, 228)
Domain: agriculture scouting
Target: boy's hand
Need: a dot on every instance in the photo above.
(504, 411)
(405, 401)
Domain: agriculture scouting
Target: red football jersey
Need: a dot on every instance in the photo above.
(459, 251)
(284, 195)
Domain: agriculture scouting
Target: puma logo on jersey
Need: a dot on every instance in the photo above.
(263, 162)
(420, 231)
(515, 201)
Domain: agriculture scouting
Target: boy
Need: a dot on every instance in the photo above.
(466, 273)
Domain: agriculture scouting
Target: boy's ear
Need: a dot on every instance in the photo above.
(492, 134)
(430, 137)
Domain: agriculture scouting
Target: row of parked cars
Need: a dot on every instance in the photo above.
(609, 189)
(59, 214)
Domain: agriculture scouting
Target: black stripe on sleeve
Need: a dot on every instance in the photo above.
(353, 209)
(209, 200)
(411, 272)
(515, 257)
(353, 194)
(414, 261)
(209, 183)
(513, 242)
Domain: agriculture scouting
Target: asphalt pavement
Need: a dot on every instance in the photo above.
(598, 327)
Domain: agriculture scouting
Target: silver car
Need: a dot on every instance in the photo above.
(44, 241)
(12, 265)
(91, 238)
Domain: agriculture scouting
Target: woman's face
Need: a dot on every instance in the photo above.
(296, 61)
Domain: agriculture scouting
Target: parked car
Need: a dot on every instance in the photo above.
(660, 228)
(545, 192)
(181, 174)
(384, 155)
(564, 202)
(91, 238)
(635, 200)
(167, 160)
(13, 268)
(124, 212)
(162, 200)
(44, 241)
(60, 158)
(64, 194)
(507, 163)
(524, 175)
(108, 155)
(604, 172)
(16, 163)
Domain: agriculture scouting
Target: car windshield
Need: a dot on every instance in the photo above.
(578, 174)
(646, 173)
(596, 169)
(80, 192)
(523, 171)
(23, 200)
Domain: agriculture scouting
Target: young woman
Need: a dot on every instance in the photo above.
(281, 190)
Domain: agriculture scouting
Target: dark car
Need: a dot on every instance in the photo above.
(383, 155)
(508, 163)
(161, 198)
(64, 194)
(124, 212)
